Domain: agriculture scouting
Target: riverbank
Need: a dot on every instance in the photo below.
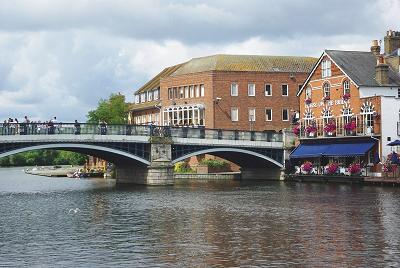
(52, 171)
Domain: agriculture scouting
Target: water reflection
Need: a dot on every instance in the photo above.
(196, 224)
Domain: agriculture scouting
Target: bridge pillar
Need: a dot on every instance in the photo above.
(268, 173)
(159, 172)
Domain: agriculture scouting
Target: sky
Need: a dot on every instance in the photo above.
(60, 57)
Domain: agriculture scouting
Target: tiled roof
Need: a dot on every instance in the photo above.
(143, 105)
(360, 67)
(247, 63)
(154, 83)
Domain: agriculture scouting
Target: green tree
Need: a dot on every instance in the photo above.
(114, 110)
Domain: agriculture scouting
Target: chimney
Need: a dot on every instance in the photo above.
(391, 41)
(375, 48)
(382, 71)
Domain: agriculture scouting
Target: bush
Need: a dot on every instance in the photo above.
(182, 167)
(213, 163)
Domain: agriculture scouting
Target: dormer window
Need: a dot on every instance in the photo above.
(326, 68)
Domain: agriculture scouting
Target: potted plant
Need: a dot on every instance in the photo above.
(306, 167)
(332, 168)
(350, 127)
(354, 169)
(330, 128)
(346, 96)
(308, 101)
(311, 129)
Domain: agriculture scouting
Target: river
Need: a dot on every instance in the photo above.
(61, 222)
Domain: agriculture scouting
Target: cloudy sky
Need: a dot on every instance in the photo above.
(59, 57)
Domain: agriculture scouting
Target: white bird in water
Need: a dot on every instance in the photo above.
(73, 211)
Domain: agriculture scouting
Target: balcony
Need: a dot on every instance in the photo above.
(339, 127)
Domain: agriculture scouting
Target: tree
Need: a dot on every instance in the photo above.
(114, 110)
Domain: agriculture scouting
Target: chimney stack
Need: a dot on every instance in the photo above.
(375, 48)
(391, 41)
(382, 71)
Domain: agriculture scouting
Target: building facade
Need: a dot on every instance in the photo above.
(227, 92)
(351, 99)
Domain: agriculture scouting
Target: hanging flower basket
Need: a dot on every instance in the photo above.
(311, 129)
(306, 167)
(332, 168)
(308, 101)
(346, 97)
(296, 130)
(330, 128)
(354, 169)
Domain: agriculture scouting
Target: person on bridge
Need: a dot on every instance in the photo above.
(103, 128)
(77, 127)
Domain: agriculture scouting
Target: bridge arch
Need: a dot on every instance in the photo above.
(109, 154)
(234, 155)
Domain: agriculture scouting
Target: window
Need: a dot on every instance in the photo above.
(170, 94)
(137, 98)
(285, 90)
(268, 90)
(149, 95)
(327, 90)
(285, 115)
(197, 91)
(191, 92)
(157, 119)
(156, 94)
(175, 93)
(234, 114)
(251, 89)
(346, 87)
(398, 93)
(234, 89)
(202, 90)
(268, 114)
(308, 92)
(186, 92)
(181, 93)
(143, 97)
(347, 114)
(368, 115)
(252, 114)
(326, 68)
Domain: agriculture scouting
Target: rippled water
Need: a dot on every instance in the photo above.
(60, 222)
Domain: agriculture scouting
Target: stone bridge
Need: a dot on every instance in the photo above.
(146, 154)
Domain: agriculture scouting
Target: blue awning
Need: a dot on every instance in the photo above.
(333, 149)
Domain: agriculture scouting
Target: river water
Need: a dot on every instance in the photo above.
(61, 222)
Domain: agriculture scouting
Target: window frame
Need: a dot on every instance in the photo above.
(248, 89)
(237, 89)
(266, 117)
(237, 114)
(265, 90)
(254, 118)
(287, 114)
(287, 90)
(346, 90)
(324, 89)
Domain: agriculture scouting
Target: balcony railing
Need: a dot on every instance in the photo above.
(343, 127)
(139, 130)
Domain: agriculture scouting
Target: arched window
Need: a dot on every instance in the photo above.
(308, 92)
(346, 87)
(327, 90)
(347, 114)
(367, 112)
(327, 114)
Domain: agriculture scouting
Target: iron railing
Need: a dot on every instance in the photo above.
(139, 130)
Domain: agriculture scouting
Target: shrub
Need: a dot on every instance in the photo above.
(182, 167)
(214, 163)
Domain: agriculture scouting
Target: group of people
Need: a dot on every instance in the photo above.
(26, 126)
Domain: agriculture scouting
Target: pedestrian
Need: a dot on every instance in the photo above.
(103, 128)
(77, 127)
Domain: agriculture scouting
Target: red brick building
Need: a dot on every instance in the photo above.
(243, 92)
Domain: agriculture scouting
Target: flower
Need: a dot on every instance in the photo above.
(332, 168)
(346, 96)
(387, 167)
(308, 101)
(307, 167)
(330, 127)
(350, 126)
(311, 128)
(354, 168)
(296, 130)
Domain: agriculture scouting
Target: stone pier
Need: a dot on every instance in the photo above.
(159, 172)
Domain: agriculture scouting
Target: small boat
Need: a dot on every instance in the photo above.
(77, 175)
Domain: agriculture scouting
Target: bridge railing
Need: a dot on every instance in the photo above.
(139, 130)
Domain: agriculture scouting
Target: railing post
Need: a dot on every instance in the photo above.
(252, 135)
(202, 133)
(236, 134)
(219, 134)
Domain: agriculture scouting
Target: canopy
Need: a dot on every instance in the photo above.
(333, 149)
(394, 143)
